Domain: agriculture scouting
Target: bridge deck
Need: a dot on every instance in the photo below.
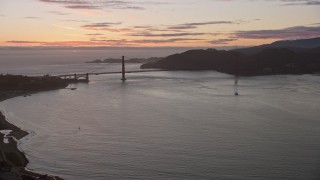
(117, 72)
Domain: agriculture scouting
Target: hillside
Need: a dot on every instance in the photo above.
(268, 61)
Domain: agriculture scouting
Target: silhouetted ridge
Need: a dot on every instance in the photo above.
(196, 60)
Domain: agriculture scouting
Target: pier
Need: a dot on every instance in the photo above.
(84, 77)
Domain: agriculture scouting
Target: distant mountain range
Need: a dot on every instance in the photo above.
(134, 60)
(294, 45)
(281, 57)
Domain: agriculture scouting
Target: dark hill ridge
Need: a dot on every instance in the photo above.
(268, 61)
(196, 60)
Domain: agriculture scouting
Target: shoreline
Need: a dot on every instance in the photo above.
(13, 161)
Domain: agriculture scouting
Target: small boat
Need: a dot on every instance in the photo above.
(72, 89)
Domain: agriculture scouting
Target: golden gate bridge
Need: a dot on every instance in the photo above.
(84, 77)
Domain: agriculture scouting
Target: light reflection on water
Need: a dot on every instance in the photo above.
(174, 125)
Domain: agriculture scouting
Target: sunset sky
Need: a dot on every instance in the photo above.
(156, 23)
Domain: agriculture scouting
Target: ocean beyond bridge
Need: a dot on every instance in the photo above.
(84, 77)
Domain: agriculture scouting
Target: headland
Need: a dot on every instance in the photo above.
(12, 160)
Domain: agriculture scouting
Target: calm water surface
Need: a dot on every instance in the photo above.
(173, 125)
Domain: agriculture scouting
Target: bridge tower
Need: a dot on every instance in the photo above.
(87, 77)
(123, 70)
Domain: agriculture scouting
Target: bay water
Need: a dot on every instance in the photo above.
(170, 125)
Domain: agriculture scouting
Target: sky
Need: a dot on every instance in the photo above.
(156, 23)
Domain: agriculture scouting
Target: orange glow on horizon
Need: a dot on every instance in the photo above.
(198, 24)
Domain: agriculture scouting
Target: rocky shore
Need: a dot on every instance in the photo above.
(12, 160)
